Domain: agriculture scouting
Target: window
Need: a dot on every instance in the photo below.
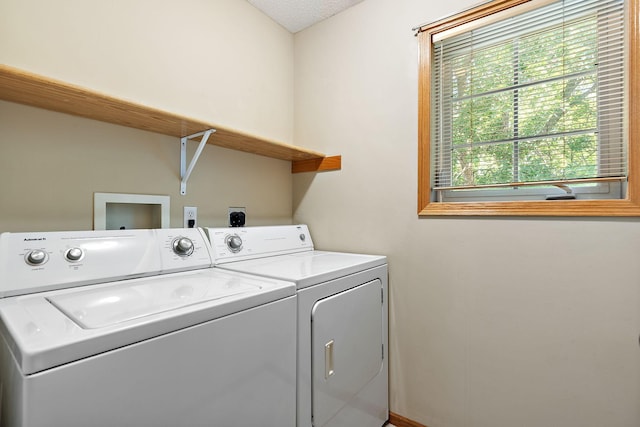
(523, 110)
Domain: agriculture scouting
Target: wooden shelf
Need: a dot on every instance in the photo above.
(31, 89)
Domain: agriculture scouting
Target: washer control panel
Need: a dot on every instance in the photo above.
(35, 262)
(38, 261)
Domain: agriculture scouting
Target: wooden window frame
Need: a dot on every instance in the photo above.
(629, 206)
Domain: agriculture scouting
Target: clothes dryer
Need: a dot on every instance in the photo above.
(134, 328)
(342, 319)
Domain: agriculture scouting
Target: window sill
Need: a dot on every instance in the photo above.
(566, 208)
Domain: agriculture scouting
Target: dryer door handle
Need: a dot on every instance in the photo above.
(328, 360)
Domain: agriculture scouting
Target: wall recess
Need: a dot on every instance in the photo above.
(113, 211)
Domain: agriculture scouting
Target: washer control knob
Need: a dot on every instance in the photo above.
(234, 243)
(183, 246)
(303, 237)
(74, 254)
(36, 257)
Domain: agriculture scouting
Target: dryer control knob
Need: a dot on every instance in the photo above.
(36, 257)
(183, 246)
(234, 243)
(74, 254)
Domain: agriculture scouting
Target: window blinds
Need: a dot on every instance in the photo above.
(537, 97)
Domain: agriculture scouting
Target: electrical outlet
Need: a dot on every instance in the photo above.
(237, 217)
(190, 217)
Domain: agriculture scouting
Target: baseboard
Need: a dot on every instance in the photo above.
(400, 421)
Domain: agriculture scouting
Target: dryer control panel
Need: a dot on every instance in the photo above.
(238, 244)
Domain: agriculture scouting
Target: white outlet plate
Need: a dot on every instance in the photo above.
(190, 212)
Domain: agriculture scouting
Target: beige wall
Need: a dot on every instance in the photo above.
(494, 322)
(218, 60)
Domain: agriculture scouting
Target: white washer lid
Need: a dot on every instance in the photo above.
(108, 306)
(41, 336)
(307, 268)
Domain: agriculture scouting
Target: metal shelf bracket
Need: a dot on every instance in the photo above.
(185, 171)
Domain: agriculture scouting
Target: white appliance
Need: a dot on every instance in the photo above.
(134, 328)
(342, 320)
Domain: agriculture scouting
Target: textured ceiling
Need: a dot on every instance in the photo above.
(296, 15)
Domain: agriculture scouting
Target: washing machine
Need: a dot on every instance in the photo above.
(134, 328)
(342, 319)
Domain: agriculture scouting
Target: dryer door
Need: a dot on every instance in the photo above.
(346, 348)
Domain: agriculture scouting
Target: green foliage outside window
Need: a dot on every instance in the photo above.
(526, 109)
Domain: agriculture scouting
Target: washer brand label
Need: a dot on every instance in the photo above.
(29, 239)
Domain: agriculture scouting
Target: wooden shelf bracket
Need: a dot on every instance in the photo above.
(329, 163)
(185, 171)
